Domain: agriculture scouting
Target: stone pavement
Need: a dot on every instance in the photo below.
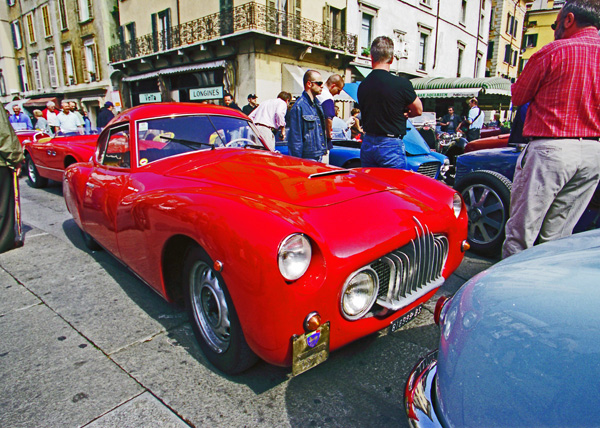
(84, 343)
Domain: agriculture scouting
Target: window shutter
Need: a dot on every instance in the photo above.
(154, 18)
(84, 60)
(76, 10)
(97, 60)
(52, 69)
(64, 67)
(326, 15)
(90, 9)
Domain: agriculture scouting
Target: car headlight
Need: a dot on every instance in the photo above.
(456, 204)
(294, 256)
(359, 293)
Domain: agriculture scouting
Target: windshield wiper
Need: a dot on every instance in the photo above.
(188, 143)
(326, 173)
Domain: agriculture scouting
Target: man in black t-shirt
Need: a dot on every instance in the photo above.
(385, 102)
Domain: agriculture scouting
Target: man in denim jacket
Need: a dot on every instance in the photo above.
(306, 137)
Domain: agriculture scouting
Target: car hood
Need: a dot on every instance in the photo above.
(520, 342)
(284, 178)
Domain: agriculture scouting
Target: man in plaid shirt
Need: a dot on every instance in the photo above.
(557, 173)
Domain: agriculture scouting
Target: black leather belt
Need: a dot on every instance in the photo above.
(564, 138)
(266, 126)
(385, 135)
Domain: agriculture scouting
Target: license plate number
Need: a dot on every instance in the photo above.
(405, 319)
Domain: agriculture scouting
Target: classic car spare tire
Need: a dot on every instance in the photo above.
(213, 316)
(35, 179)
(90, 242)
(487, 197)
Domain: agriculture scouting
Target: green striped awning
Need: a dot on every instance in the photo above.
(460, 87)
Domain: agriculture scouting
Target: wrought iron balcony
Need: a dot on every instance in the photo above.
(250, 16)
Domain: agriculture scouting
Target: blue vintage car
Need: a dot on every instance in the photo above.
(346, 154)
(519, 346)
(484, 179)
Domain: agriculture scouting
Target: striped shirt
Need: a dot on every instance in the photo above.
(562, 82)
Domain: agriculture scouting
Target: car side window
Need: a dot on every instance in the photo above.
(116, 149)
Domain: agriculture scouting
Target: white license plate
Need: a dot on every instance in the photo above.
(405, 319)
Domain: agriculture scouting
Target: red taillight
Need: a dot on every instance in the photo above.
(438, 308)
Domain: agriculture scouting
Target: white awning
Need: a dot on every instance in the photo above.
(177, 70)
(293, 75)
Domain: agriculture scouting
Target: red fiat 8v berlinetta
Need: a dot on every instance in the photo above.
(273, 256)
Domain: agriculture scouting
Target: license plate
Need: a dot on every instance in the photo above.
(310, 349)
(404, 319)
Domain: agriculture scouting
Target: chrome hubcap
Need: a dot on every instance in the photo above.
(210, 307)
(486, 213)
(31, 171)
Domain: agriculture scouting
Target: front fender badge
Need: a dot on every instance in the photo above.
(313, 339)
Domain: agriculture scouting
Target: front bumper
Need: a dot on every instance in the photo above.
(419, 393)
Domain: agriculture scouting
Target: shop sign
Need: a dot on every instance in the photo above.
(153, 97)
(206, 93)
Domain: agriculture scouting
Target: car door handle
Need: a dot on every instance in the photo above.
(90, 185)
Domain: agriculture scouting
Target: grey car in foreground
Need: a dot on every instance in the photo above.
(520, 344)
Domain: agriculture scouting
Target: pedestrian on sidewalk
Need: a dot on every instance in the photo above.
(557, 173)
(269, 118)
(11, 156)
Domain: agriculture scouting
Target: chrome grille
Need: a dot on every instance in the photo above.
(430, 169)
(410, 272)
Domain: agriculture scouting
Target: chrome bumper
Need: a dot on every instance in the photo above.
(418, 400)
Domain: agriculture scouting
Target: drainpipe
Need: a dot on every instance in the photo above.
(437, 25)
(178, 14)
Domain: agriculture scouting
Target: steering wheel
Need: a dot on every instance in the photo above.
(237, 142)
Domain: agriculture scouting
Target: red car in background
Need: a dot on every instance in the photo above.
(273, 256)
(494, 142)
(47, 158)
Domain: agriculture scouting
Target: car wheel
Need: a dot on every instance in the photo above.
(354, 163)
(35, 179)
(487, 197)
(213, 316)
(90, 242)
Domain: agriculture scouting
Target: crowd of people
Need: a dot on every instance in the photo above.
(68, 120)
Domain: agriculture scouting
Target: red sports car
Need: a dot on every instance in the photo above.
(47, 158)
(273, 256)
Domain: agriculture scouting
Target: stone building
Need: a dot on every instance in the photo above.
(186, 50)
(506, 36)
(541, 14)
(61, 50)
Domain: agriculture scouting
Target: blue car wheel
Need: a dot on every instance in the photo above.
(487, 198)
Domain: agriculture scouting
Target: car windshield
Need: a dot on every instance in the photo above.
(172, 135)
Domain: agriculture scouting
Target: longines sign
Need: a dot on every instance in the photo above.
(206, 93)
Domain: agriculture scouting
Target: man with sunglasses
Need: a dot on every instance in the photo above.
(307, 134)
(557, 173)
(385, 102)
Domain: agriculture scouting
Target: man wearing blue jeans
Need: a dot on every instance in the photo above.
(385, 101)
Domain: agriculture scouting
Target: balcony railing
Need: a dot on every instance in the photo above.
(250, 16)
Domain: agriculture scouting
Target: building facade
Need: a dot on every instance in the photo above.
(61, 50)
(433, 38)
(185, 50)
(506, 36)
(541, 14)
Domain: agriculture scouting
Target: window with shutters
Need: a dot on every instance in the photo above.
(85, 10)
(52, 68)
(15, 28)
(30, 27)
(37, 73)
(46, 19)
(91, 73)
(64, 24)
(68, 66)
